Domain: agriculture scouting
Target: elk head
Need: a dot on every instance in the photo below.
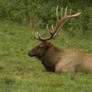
(40, 50)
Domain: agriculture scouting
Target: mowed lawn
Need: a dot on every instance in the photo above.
(21, 73)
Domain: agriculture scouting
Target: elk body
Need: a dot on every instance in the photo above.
(60, 60)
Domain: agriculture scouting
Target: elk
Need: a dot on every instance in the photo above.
(60, 60)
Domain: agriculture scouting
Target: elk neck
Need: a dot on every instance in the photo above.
(44, 53)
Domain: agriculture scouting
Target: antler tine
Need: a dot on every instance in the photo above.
(65, 12)
(52, 27)
(37, 36)
(70, 11)
(57, 17)
(61, 12)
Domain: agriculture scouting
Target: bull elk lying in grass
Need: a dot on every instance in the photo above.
(60, 60)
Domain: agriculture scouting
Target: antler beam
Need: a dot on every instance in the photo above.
(59, 24)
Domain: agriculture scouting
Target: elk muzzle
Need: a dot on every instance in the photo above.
(31, 53)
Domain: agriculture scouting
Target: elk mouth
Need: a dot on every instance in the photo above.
(30, 54)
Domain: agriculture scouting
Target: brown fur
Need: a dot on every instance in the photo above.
(59, 60)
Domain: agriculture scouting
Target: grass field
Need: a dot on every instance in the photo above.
(20, 73)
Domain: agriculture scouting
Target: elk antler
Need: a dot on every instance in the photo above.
(59, 24)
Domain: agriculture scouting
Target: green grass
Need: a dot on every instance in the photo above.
(20, 73)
